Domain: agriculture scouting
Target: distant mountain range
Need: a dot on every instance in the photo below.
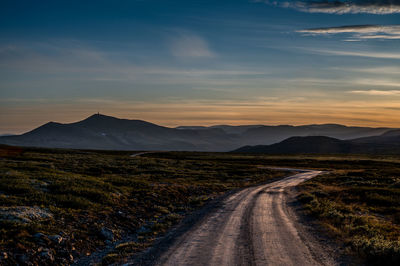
(387, 143)
(110, 133)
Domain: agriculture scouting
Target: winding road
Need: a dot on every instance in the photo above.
(254, 226)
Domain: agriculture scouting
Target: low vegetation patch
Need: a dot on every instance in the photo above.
(361, 206)
(60, 205)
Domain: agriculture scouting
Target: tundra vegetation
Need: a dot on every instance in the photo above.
(359, 204)
(57, 206)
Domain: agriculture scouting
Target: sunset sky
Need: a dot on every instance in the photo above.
(200, 62)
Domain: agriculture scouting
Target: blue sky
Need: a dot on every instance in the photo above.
(200, 62)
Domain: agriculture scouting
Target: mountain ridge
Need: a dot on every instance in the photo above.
(386, 143)
(100, 131)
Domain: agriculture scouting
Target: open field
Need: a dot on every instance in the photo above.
(57, 206)
(357, 201)
(360, 206)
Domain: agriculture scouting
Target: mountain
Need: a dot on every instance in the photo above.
(387, 143)
(317, 144)
(274, 134)
(106, 132)
(391, 137)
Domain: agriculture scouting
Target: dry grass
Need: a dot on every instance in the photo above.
(86, 192)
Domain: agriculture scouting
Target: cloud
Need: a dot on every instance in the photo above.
(377, 92)
(381, 55)
(358, 32)
(380, 70)
(378, 82)
(379, 7)
(189, 45)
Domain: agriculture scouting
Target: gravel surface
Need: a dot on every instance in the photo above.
(254, 226)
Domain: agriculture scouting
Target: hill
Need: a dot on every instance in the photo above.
(109, 133)
(274, 134)
(317, 144)
(387, 143)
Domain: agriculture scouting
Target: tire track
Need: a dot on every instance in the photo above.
(252, 227)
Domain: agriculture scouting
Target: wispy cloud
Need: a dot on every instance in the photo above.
(378, 82)
(358, 32)
(377, 92)
(189, 45)
(382, 70)
(382, 55)
(379, 7)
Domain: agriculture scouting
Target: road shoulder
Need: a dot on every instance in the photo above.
(323, 248)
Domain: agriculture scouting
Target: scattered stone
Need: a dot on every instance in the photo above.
(40, 185)
(24, 214)
(75, 253)
(143, 230)
(23, 259)
(107, 233)
(39, 235)
(56, 239)
(47, 255)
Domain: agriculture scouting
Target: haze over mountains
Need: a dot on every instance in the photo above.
(110, 133)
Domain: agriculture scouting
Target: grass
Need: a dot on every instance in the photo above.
(95, 198)
(360, 206)
(91, 192)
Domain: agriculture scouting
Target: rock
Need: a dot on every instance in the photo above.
(23, 259)
(56, 239)
(143, 230)
(47, 255)
(42, 239)
(24, 214)
(75, 253)
(65, 255)
(39, 235)
(107, 233)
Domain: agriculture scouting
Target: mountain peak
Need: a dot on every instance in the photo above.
(99, 131)
(99, 116)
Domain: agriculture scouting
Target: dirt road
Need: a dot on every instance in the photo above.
(253, 227)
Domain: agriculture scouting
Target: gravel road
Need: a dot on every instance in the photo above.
(254, 226)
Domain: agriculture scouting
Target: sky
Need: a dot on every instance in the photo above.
(200, 62)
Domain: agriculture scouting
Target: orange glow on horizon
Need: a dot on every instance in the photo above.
(203, 113)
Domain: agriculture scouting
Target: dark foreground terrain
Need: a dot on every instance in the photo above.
(361, 206)
(59, 206)
(254, 226)
(65, 206)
